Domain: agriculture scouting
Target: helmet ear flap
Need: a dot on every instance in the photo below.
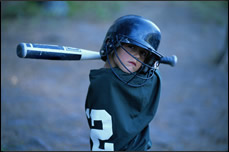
(145, 68)
(108, 48)
(109, 44)
(152, 62)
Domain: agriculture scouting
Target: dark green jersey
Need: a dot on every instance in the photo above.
(119, 115)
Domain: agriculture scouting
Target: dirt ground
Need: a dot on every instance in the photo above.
(42, 102)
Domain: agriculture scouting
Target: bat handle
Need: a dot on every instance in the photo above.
(171, 60)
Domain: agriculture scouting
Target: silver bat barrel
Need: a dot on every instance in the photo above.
(54, 52)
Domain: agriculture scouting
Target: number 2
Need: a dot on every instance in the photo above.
(103, 134)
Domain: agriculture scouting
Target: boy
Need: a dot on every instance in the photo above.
(123, 96)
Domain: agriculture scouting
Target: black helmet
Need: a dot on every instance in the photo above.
(134, 30)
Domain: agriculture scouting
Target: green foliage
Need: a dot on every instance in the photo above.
(94, 9)
(19, 9)
(3, 148)
(90, 9)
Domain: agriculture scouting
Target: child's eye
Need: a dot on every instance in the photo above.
(131, 46)
(143, 53)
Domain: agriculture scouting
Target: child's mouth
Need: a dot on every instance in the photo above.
(133, 63)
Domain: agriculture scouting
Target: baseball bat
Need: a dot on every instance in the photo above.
(171, 60)
(56, 52)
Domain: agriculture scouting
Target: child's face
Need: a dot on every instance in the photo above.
(132, 64)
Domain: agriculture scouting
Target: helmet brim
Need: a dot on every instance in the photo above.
(143, 45)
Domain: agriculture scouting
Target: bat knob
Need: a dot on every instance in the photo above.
(21, 51)
(171, 60)
(174, 61)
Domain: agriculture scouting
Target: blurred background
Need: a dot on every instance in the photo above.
(42, 102)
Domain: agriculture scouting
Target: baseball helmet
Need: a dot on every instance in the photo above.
(135, 30)
(132, 29)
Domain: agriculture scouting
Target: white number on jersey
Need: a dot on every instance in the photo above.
(103, 134)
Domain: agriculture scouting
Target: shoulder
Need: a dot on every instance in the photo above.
(94, 73)
(101, 77)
